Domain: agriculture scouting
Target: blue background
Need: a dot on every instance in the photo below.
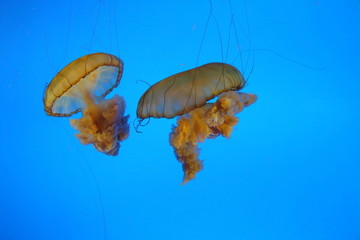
(289, 171)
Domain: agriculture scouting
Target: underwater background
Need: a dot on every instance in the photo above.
(289, 171)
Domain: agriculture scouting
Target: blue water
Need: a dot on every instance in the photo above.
(289, 171)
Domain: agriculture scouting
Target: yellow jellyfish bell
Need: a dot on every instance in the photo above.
(185, 91)
(82, 86)
(186, 94)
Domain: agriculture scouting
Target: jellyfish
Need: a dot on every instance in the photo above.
(81, 86)
(186, 95)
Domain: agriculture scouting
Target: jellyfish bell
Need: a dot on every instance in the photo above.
(185, 91)
(81, 86)
(186, 95)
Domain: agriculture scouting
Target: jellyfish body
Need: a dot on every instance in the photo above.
(82, 86)
(185, 91)
(185, 95)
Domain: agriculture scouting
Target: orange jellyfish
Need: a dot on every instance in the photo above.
(186, 94)
(82, 86)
